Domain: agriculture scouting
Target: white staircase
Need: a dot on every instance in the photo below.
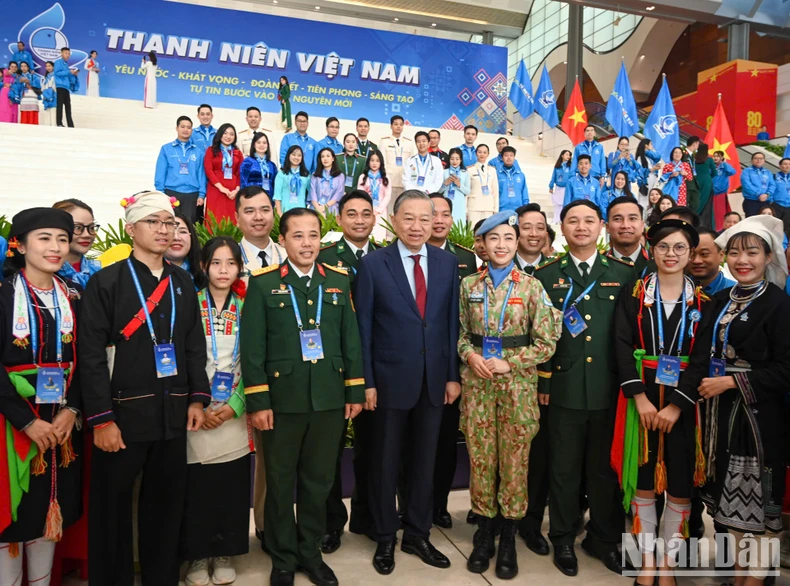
(112, 153)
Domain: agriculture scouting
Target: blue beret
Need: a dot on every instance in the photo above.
(508, 217)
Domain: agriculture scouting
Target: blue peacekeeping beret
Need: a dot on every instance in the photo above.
(508, 217)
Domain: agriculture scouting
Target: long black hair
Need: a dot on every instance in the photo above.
(457, 151)
(382, 170)
(558, 164)
(286, 81)
(640, 152)
(152, 57)
(627, 186)
(193, 256)
(217, 142)
(286, 168)
(655, 211)
(255, 138)
(211, 247)
(334, 171)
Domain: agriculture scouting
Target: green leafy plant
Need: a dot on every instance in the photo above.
(461, 234)
(212, 227)
(5, 227)
(109, 237)
(776, 149)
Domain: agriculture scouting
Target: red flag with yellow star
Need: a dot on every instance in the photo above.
(575, 118)
(719, 138)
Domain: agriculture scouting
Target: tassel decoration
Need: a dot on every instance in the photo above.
(13, 549)
(53, 529)
(67, 455)
(636, 525)
(661, 468)
(684, 527)
(699, 455)
(38, 465)
(643, 448)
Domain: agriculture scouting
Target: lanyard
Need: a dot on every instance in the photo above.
(264, 165)
(246, 260)
(483, 175)
(227, 158)
(726, 329)
(509, 174)
(214, 335)
(184, 147)
(34, 324)
(398, 148)
(659, 309)
(298, 316)
(422, 172)
(145, 305)
(579, 298)
(345, 166)
(504, 306)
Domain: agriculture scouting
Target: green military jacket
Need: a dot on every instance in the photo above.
(467, 261)
(643, 264)
(275, 375)
(367, 148)
(530, 270)
(582, 374)
(351, 167)
(339, 255)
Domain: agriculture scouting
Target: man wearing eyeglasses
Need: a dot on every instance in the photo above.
(143, 363)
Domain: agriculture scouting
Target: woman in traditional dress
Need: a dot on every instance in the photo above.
(375, 182)
(49, 96)
(258, 168)
(559, 179)
(327, 184)
(456, 184)
(92, 67)
(149, 90)
(218, 454)
(39, 397)
(284, 96)
(9, 111)
(745, 425)
(674, 176)
(222, 163)
(28, 91)
(78, 268)
(663, 328)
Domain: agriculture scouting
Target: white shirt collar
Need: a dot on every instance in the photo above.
(525, 263)
(405, 252)
(354, 249)
(300, 274)
(590, 261)
(269, 250)
(633, 257)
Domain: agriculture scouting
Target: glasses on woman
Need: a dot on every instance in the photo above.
(91, 228)
(679, 249)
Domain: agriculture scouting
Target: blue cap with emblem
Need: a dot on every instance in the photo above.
(508, 217)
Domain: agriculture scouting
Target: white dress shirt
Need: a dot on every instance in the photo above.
(408, 265)
(525, 263)
(430, 170)
(633, 256)
(251, 258)
(300, 274)
(590, 261)
(354, 249)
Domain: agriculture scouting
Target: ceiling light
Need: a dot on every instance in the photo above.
(433, 24)
(318, 8)
(395, 19)
(564, 62)
(650, 8)
(274, 2)
(642, 56)
(376, 5)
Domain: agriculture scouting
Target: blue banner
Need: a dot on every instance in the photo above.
(521, 92)
(621, 107)
(662, 125)
(234, 59)
(545, 106)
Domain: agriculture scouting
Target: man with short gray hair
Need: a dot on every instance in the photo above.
(411, 369)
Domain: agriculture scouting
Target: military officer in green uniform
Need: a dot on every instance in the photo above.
(626, 226)
(351, 163)
(356, 218)
(580, 385)
(302, 367)
(364, 146)
(442, 223)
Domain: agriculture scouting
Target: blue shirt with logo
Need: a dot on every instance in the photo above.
(513, 192)
(180, 168)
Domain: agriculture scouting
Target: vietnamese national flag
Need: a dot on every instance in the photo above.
(719, 138)
(575, 118)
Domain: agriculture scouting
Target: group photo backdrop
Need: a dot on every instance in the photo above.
(235, 59)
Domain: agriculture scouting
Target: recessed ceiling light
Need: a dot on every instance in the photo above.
(650, 8)
(395, 19)
(274, 2)
(433, 24)
(564, 62)
(642, 56)
(318, 8)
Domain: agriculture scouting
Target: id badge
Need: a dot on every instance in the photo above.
(399, 161)
(294, 197)
(511, 192)
(266, 185)
(165, 358)
(451, 192)
(312, 347)
(221, 386)
(668, 372)
(228, 172)
(492, 347)
(349, 181)
(717, 367)
(49, 386)
(574, 322)
(420, 180)
(183, 169)
(485, 190)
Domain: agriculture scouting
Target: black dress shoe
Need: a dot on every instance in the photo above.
(331, 541)
(507, 561)
(321, 576)
(425, 550)
(281, 577)
(472, 518)
(536, 542)
(610, 559)
(260, 535)
(442, 518)
(384, 558)
(484, 548)
(565, 560)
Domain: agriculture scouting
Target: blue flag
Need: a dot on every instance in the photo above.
(621, 107)
(545, 105)
(521, 92)
(662, 124)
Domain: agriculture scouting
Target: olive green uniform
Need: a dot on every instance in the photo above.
(340, 255)
(308, 399)
(467, 261)
(367, 148)
(581, 381)
(351, 166)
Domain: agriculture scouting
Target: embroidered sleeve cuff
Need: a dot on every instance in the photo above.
(352, 382)
(742, 380)
(202, 398)
(544, 374)
(256, 389)
(100, 418)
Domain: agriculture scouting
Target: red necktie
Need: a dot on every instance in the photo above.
(420, 292)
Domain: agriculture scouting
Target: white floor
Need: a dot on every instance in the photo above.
(352, 563)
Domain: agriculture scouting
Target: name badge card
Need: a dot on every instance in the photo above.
(492, 347)
(312, 346)
(421, 180)
(165, 358)
(574, 322)
(486, 190)
(266, 185)
(399, 161)
(294, 197)
(717, 367)
(50, 386)
(668, 372)
(221, 386)
(228, 172)
(183, 169)
(349, 180)
(511, 191)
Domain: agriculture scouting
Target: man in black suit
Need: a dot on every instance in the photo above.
(408, 321)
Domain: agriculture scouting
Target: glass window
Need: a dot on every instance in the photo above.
(587, 30)
(538, 28)
(552, 36)
(553, 20)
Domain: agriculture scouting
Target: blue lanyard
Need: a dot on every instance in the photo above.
(296, 307)
(579, 298)
(214, 335)
(264, 165)
(422, 172)
(246, 260)
(345, 166)
(726, 329)
(227, 158)
(34, 324)
(661, 321)
(504, 306)
(145, 305)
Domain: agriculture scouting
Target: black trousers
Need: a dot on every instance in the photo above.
(64, 101)
(446, 455)
(580, 441)
(751, 207)
(538, 478)
(783, 214)
(391, 429)
(188, 203)
(336, 513)
(163, 464)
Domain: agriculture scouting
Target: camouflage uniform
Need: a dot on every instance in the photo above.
(500, 417)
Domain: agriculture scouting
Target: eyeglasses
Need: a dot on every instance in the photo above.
(91, 228)
(155, 225)
(679, 249)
